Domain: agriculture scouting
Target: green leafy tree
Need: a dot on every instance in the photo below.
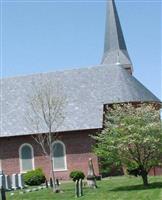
(132, 137)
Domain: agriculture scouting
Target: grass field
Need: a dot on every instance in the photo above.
(117, 188)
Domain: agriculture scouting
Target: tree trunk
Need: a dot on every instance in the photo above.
(144, 177)
(53, 175)
(124, 169)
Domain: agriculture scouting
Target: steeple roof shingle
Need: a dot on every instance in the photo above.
(115, 50)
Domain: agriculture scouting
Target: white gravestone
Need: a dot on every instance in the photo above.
(7, 182)
(14, 181)
(2, 181)
(20, 181)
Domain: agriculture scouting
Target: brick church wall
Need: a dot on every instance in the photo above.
(156, 171)
(78, 150)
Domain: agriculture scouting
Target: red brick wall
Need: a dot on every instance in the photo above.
(78, 151)
(156, 171)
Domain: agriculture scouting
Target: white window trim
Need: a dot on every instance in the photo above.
(65, 161)
(20, 157)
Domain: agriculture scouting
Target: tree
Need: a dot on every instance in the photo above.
(45, 115)
(132, 137)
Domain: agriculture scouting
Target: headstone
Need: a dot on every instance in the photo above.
(91, 179)
(77, 188)
(80, 187)
(46, 182)
(7, 182)
(14, 178)
(57, 182)
(20, 181)
(57, 186)
(2, 181)
(51, 183)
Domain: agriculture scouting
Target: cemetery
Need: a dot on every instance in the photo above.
(17, 182)
(90, 187)
(124, 187)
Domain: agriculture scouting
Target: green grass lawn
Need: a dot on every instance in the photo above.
(117, 188)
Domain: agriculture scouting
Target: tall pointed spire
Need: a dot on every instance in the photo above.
(115, 50)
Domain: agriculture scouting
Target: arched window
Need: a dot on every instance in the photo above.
(59, 156)
(26, 157)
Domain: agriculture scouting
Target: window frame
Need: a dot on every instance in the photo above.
(20, 157)
(65, 160)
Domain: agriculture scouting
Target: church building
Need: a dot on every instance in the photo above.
(87, 90)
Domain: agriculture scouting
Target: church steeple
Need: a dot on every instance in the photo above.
(115, 50)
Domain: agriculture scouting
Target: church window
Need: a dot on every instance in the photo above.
(59, 156)
(26, 156)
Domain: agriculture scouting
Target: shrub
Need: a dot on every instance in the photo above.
(76, 175)
(34, 177)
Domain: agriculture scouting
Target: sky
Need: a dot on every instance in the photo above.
(43, 36)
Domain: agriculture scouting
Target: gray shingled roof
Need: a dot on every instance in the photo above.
(86, 89)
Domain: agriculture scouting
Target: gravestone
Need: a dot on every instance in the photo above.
(80, 187)
(91, 179)
(7, 182)
(51, 183)
(57, 185)
(77, 188)
(20, 181)
(14, 179)
(46, 183)
(2, 181)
